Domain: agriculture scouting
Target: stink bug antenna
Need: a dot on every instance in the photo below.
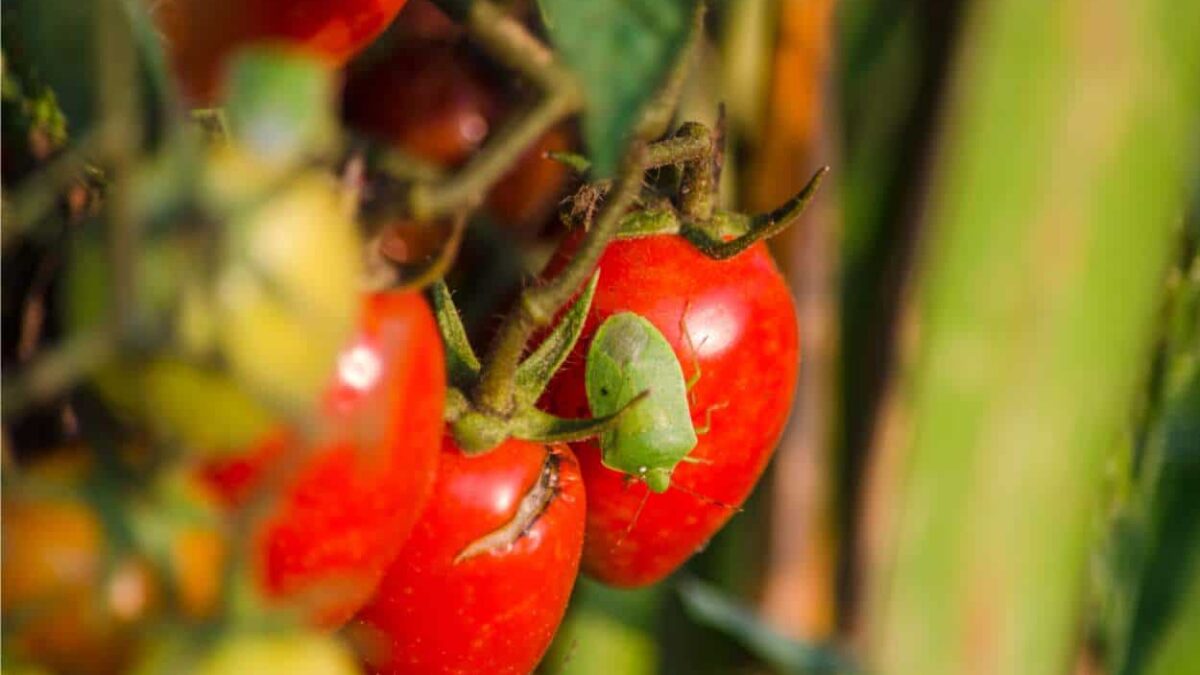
(705, 499)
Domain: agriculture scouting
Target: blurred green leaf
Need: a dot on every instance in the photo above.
(1153, 578)
(1050, 227)
(1168, 598)
(622, 51)
(708, 606)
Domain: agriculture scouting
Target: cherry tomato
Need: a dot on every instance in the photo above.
(431, 99)
(201, 34)
(483, 582)
(73, 603)
(53, 568)
(732, 324)
(351, 495)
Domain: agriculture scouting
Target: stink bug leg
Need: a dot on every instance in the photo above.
(706, 499)
(637, 513)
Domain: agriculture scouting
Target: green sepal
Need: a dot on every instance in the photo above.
(648, 222)
(629, 356)
(535, 371)
(462, 365)
(707, 236)
(535, 425)
(457, 404)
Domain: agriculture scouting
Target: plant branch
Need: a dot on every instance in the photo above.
(538, 304)
(56, 371)
(118, 88)
(511, 43)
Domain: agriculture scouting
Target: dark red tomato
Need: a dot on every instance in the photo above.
(422, 20)
(529, 193)
(349, 500)
(433, 100)
(483, 581)
(428, 98)
(201, 34)
(733, 324)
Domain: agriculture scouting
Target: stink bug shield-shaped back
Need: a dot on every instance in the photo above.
(628, 357)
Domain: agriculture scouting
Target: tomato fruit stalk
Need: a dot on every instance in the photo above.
(352, 493)
(484, 580)
(732, 325)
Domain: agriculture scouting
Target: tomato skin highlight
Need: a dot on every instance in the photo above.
(201, 35)
(438, 610)
(348, 506)
(744, 340)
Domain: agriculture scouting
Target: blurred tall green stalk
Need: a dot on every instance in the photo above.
(1060, 183)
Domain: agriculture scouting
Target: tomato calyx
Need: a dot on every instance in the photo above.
(477, 428)
(690, 162)
(533, 504)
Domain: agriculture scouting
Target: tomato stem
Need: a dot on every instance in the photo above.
(118, 94)
(538, 304)
(57, 371)
(511, 43)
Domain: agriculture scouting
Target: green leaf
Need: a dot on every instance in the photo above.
(622, 52)
(281, 103)
(535, 371)
(629, 357)
(708, 606)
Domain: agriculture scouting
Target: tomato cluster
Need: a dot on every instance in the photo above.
(366, 511)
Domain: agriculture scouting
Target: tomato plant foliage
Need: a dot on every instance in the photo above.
(622, 51)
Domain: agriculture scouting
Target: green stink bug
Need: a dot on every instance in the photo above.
(629, 356)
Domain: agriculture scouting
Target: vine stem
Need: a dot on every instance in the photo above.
(49, 375)
(511, 43)
(538, 304)
(118, 97)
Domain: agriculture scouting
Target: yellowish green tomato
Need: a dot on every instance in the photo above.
(295, 653)
(286, 294)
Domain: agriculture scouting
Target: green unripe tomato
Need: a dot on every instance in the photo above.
(286, 292)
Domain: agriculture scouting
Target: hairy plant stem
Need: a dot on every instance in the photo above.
(679, 149)
(513, 45)
(538, 304)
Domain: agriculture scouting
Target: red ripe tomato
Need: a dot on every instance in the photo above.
(483, 581)
(201, 34)
(431, 99)
(732, 323)
(350, 498)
